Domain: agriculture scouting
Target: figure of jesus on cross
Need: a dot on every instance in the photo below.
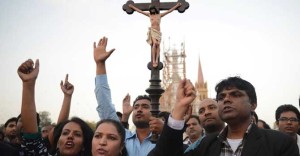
(154, 34)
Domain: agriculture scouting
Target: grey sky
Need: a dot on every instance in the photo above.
(257, 40)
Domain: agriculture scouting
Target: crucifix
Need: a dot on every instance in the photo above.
(152, 10)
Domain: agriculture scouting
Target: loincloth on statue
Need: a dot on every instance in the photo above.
(154, 34)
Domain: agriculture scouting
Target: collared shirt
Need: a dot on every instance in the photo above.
(187, 141)
(106, 110)
(134, 147)
(194, 145)
(226, 149)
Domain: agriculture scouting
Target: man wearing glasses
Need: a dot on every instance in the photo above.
(287, 120)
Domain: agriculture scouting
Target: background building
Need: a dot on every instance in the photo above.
(175, 70)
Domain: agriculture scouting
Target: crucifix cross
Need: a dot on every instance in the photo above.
(152, 10)
(157, 4)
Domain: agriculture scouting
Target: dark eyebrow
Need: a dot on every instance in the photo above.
(212, 104)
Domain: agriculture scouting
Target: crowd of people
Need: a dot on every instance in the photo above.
(226, 125)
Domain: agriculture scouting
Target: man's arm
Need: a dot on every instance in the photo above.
(105, 108)
(138, 10)
(170, 10)
(170, 141)
(28, 74)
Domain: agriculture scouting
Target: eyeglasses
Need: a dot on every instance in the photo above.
(288, 119)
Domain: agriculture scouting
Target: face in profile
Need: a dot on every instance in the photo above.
(208, 114)
(106, 141)
(11, 129)
(71, 139)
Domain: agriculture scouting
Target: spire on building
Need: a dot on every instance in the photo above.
(200, 75)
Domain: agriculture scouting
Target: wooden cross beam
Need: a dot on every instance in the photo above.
(157, 4)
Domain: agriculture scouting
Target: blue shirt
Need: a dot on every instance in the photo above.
(194, 145)
(106, 110)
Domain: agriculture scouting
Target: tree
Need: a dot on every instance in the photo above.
(45, 118)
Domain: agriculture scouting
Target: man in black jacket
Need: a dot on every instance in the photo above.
(236, 99)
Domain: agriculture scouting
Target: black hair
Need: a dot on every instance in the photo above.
(140, 97)
(265, 125)
(286, 108)
(255, 116)
(120, 129)
(238, 83)
(86, 131)
(13, 119)
(119, 114)
(152, 7)
(164, 114)
(2, 135)
(195, 117)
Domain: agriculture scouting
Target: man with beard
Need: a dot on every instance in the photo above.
(10, 131)
(11, 142)
(138, 142)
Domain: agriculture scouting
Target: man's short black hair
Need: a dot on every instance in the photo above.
(13, 119)
(255, 116)
(286, 108)
(140, 97)
(239, 83)
(195, 117)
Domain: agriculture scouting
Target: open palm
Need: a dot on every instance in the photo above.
(100, 53)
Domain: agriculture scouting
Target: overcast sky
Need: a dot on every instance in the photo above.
(257, 40)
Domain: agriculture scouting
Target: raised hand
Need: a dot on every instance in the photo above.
(27, 72)
(127, 108)
(185, 95)
(67, 87)
(100, 53)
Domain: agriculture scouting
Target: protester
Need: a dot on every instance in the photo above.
(236, 99)
(193, 130)
(74, 133)
(287, 119)
(10, 131)
(137, 142)
(109, 139)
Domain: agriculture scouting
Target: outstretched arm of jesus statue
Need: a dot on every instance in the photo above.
(139, 10)
(170, 10)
